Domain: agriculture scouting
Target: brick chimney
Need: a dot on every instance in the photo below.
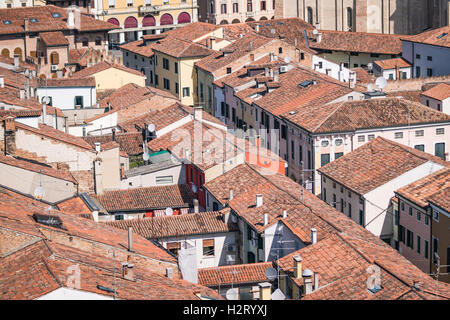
(196, 209)
(264, 291)
(128, 271)
(9, 126)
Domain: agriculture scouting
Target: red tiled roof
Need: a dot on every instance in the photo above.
(19, 113)
(441, 199)
(427, 188)
(78, 56)
(46, 21)
(74, 206)
(437, 37)
(177, 226)
(55, 134)
(392, 63)
(233, 274)
(52, 39)
(101, 66)
(438, 92)
(357, 42)
(181, 48)
(362, 114)
(408, 95)
(139, 47)
(130, 143)
(161, 197)
(375, 163)
(70, 82)
(35, 167)
(22, 64)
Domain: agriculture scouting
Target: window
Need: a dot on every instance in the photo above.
(156, 79)
(418, 244)
(354, 53)
(436, 215)
(417, 56)
(223, 8)
(439, 150)
(338, 142)
(429, 58)
(334, 200)
(370, 137)
(280, 50)
(409, 239)
(396, 217)
(439, 107)
(342, 205)
(361, 138)
(177, 89)
(403, 206)
(324, 195)
(417, 72)
(429, 72)
(425, 248)
(401, 234)
(350, 210)
(418, 215)
(263, 6)
(310, 15)
(186, 92)
(435, 248)
(283, 131)
(215, 206)
(85, 42)
(309, 159)
(324, 159)
(129, 3)
(410, 211)
(79, 101)
(325, 143)
(228, 70)
(173, 247)
(54, 58)
(292, 150)
(300, 154)
(440, 131)
(349, 18)
(420, 147)
(361, 217)
(235, 7)
(374, 55)
(419, 133)
(334, 185)
(337, 155)
(426, 220)
(398, 135)
(208, 247)
(176, 67)
(249, 6)
(165, 63)
(391, 76)
(166, 84)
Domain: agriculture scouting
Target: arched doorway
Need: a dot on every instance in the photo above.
(114, 21)
(236, 21)
(5, 53)
(149, 21)
(166, 19)
(184, 17)
(224, 22)
(263, 18)
(130, 22)
(18, 51)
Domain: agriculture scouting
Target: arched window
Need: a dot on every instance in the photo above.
(130, 22)
(224, 22)
(310, 15)
(5, 53)
(18, 51)
(184, 17)
(263, 18)
(54, 58)
(166, 19)
(349, 19)
(148, 21)
(114, 21)
(236, 21)
(249, 20)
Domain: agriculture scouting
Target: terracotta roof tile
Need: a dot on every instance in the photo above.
(101, 66)
(438, 92)
(69, 82)
(234, 274)
(442, 198)
(53, 39)
(139, 47)
(74, 206)
(374, 164)
(149, 198)
(181, 48)
(130, 143)
(392, 63)
(437, 37)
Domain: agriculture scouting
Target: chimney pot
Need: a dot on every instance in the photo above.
(198, 113)
(297, 266)
(316, 281)
(2, 81)
(257, 28)
(313, 235)
(97, 147)
(128, 271)
(284, 214)
(259, 200)
(95, 215)
(231, 195)
(264, 291)
(307, 277)
(130, 239)
(266, 219)
(196, 210)
(22, 94)
(169, 273)
(16, 61)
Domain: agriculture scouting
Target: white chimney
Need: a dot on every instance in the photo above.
(316, 281)
(95, 215)
(313, 235)
(257, 27)
(231, 195)
(22, 94)
(307, 278)
(196, 210)
(259, 200)
(16, 61)
(71, 19)
(130, 239)
(211, 42)
(319, 37)
(169, 272)
(44, 113)
(198, 113)
(266, 219)
(2, 81)
(97, 147)
(271, 57)
(284, 214)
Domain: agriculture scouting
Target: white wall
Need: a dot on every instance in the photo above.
(440, 57)
(336, 71)
(105, 123)
(149, 179)
(279, 236)
(64, 97)
(72, 294)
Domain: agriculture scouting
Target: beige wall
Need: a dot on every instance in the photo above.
(110, 167)
(114, 78)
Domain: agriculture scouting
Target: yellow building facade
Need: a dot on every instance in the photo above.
(140, 17)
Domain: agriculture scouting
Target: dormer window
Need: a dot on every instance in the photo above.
(6, 21)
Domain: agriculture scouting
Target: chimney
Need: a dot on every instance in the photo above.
(196, 206)
(284, 214)
(295, 42)
(316, 281)
(319, 37)
(10, 135)
(231, 195)
(130, 239)
(307, 278)
(198, 113)
(98, 178)
(97, 147)
(271, 57)
(266, 219)
(251, 45)
(122, 171)
(264, 291)
(16, 61)
(113, 134)
(22, 94)
(266, 72)
(128, 271)
(259, 200)
(297, 266)
(275, 77)
(70, 19)
(313, 235)
(211, 42)
(44, 113)
(271, 72)
(95, 215)
(252, 57)
(169, 273)
(257, 27)
(2, 81)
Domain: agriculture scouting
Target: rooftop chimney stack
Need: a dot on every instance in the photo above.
(257, 27)
(196, 210)
(71, 19)
(307, 278)
(313, 235)
(211, 42)
(264, 291)
(319, 37)
(44, 113)
(16, 61)
(271, 55)
(284, 214)
(231, 195)
(297, 266)
(2, 81)
(169, 272)
(266, 219)
(130, 239)
(128, 271)
(259, 200)
(95, 215)
(198, 113)
(316, 281)
(97, 147)
(22, 94)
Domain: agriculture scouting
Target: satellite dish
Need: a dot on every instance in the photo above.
(271, 274)
(145, 156)
(315, 32)
(169, 211)
(232, 294)
(287, 59)
(39, 193)
(46, 100)
(381, 82)
(278, 295)
(151, 127)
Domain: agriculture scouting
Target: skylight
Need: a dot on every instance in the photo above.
(442, 35)
(305, 83)
(375, 288)
(56, 15)
(6, 21)
(34, 20)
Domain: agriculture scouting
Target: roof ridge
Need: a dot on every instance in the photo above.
(328, 116)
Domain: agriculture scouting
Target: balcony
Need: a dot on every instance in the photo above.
(143, 10)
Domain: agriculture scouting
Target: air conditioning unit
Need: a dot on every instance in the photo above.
(54, 67)
(283, 69)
